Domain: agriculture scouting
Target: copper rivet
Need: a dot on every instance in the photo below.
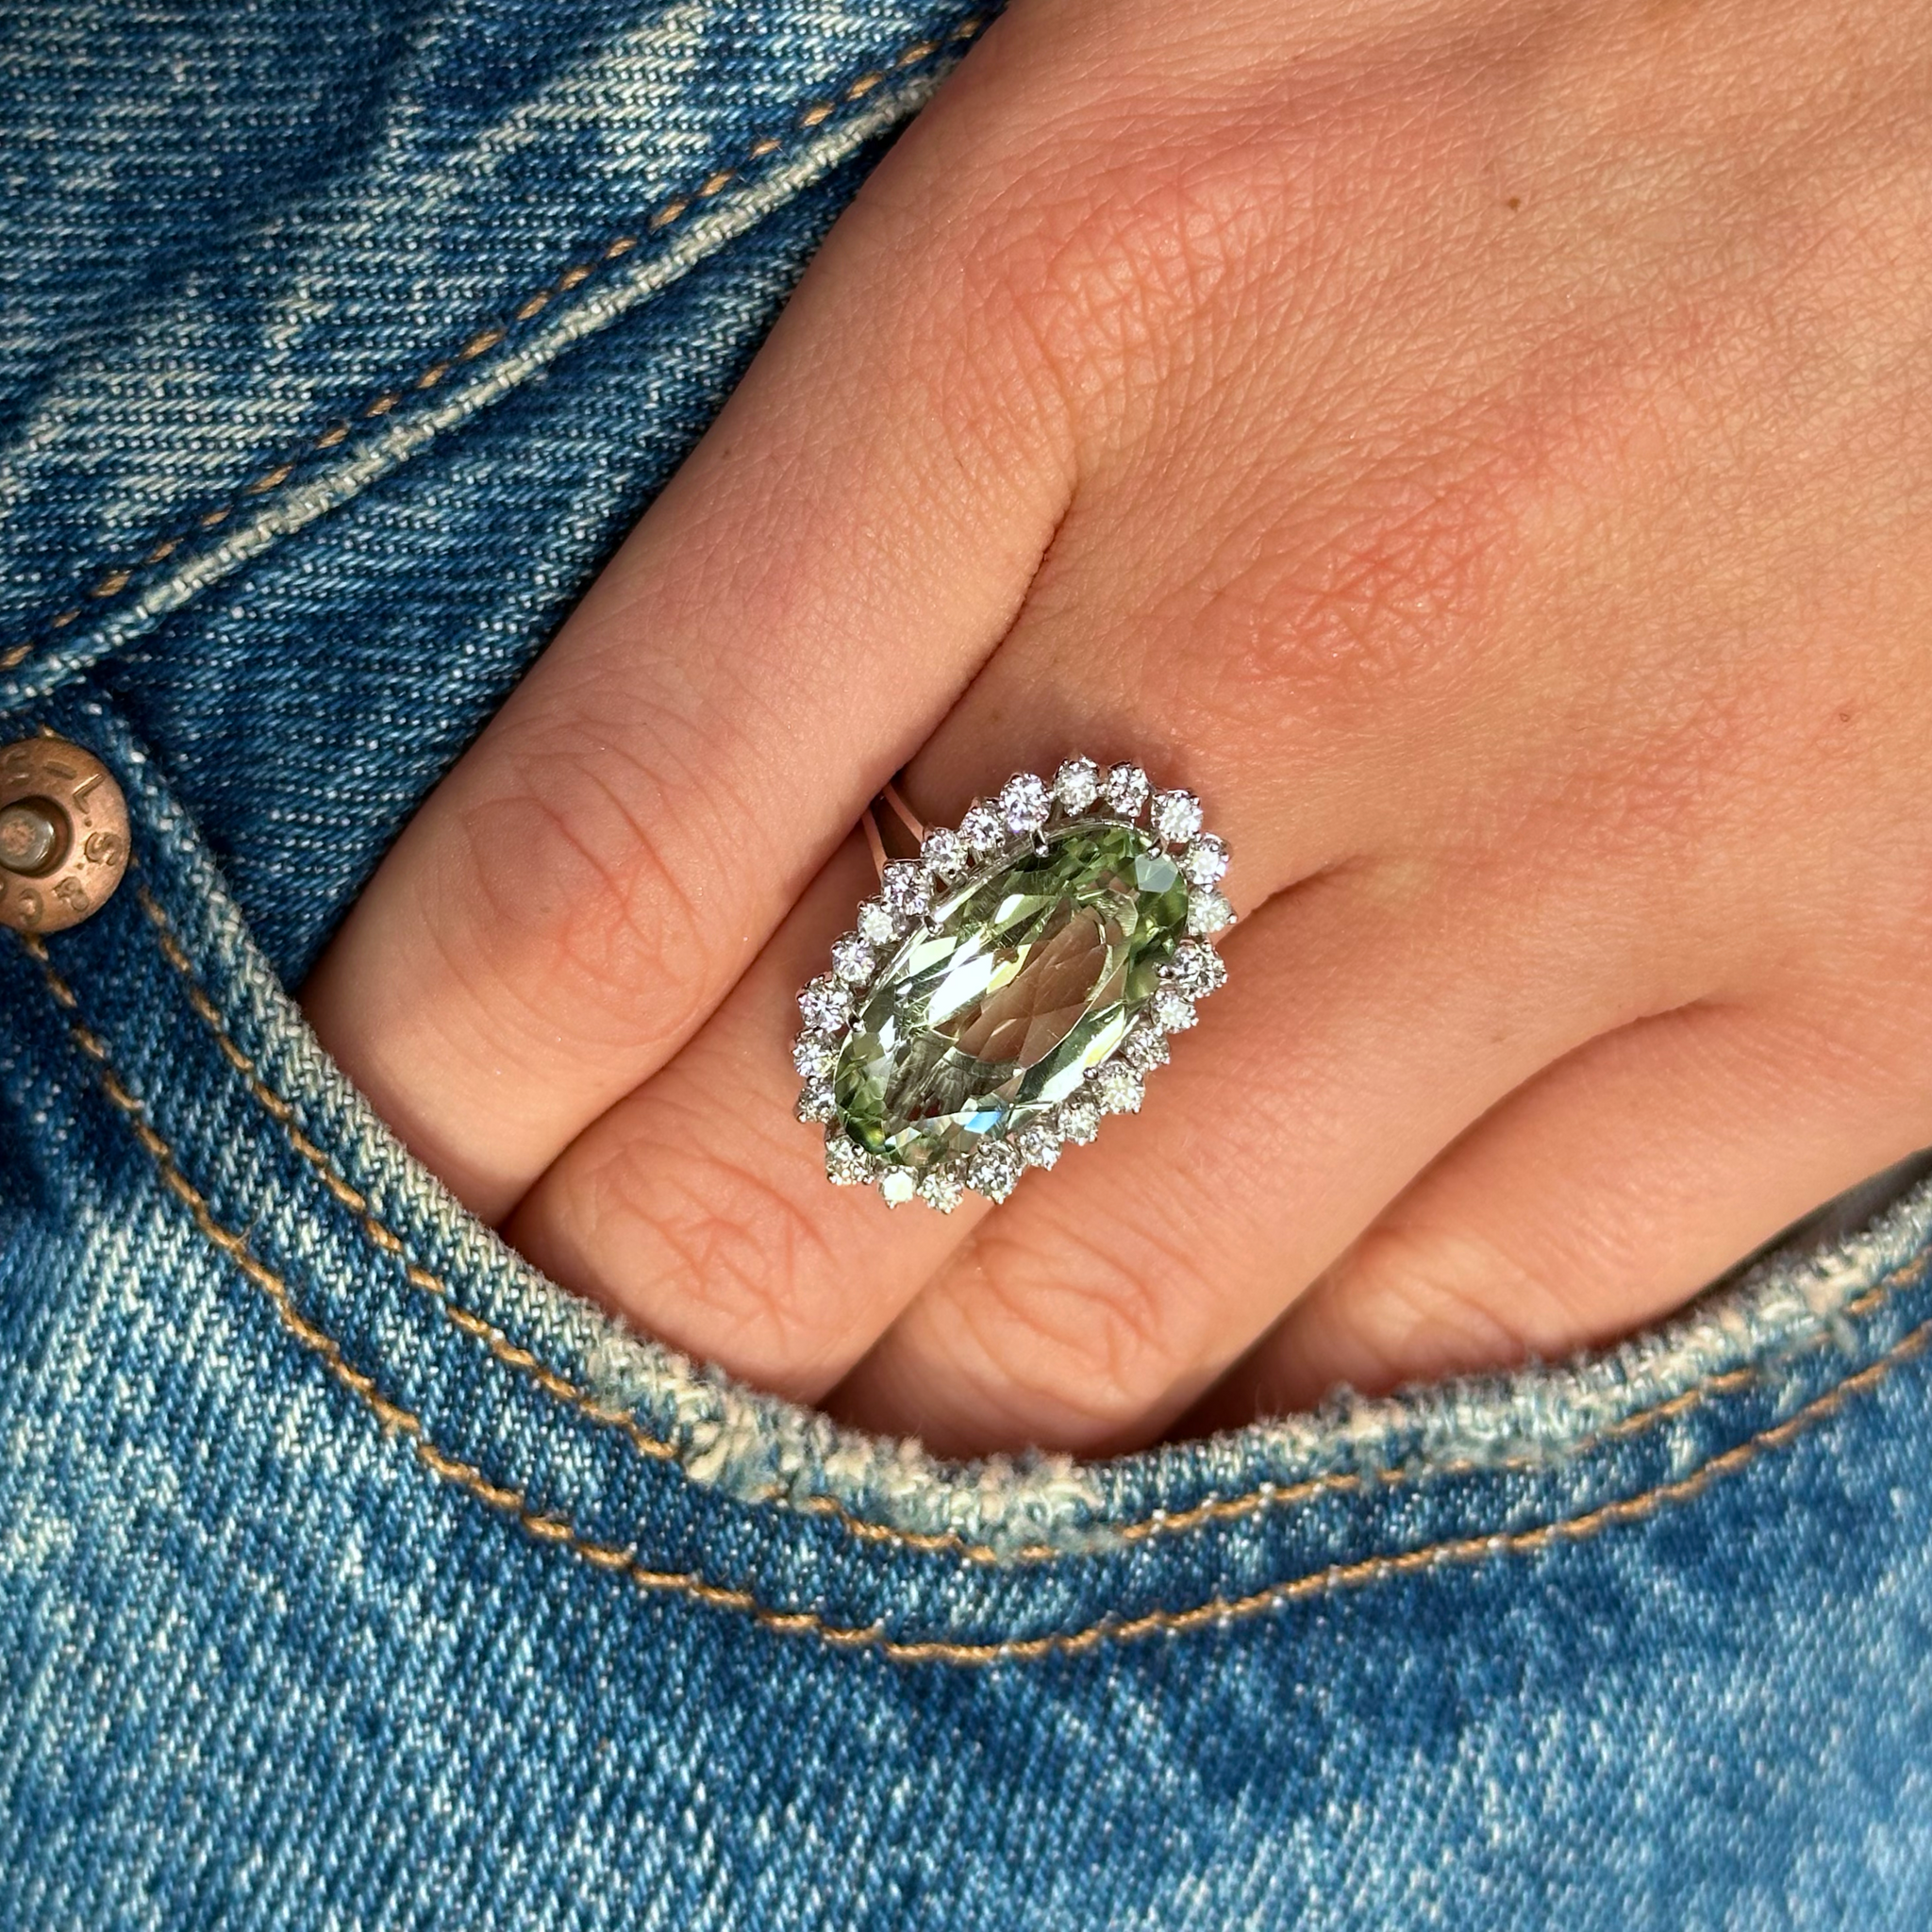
(63, 834)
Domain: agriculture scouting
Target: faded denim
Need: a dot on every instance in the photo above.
(353, 1576)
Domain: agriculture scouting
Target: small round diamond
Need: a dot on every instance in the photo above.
(875, 923)
(1205, 860)
(1024, 804)
(994, 1170)
(1209, 912)
(848, 1165)
(825, 1004)
(1173, 1010)
(1176, 817)
(1146, 1047)
(906, 890)
(814, 1057)
(896, 1184)
(852, 960)
(1118, 1087)
(941, 1191)
(817, 1101)
(1195, 969)
(1038, 1142)
(944, 853)
(1126, 790)
(1079, 1119)
(1076, 784)
(983, 831)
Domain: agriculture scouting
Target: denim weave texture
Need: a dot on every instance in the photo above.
(354, 1576)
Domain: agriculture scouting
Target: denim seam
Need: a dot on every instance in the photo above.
(547, 1526)
(481, 340)
(1266, 1496)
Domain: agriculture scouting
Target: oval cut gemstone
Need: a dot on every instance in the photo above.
(994, 1010)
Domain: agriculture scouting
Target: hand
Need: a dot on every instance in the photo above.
(1483, 449)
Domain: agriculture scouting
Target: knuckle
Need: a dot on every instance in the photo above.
(1107, 268)
(565, 885)
(1431, 1302)
(1377, 599)
(1083, 1350)
(1084, 276)
(711, 1252)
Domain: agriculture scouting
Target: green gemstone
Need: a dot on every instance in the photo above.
(994, 1010)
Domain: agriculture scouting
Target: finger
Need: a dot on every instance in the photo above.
(1603, 1193)
(1359, 1034)
(775, 639)
(698, 1207)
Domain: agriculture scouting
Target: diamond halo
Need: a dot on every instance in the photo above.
(1020, 821)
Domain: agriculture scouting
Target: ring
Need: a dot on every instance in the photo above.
(1012, 984)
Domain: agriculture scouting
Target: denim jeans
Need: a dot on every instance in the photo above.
(352, 1574)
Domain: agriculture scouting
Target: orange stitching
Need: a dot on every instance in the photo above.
(375, 1231)
(546, 1526)
(1454, 1550)
(1163, 1523)
(234, 1246)
(482, 340)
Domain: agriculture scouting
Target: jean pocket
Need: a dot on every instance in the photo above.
(202, 1104)
(327, 1522)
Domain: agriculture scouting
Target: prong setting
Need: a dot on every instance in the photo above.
(876, 925)
(852, 960)
(945, 854)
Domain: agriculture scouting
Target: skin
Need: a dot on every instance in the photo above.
(1485, 450)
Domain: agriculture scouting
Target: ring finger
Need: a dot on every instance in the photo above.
(1357, 1037)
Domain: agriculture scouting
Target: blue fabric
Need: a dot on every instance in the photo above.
(350, 1574)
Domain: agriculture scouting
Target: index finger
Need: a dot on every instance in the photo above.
(777, 635)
